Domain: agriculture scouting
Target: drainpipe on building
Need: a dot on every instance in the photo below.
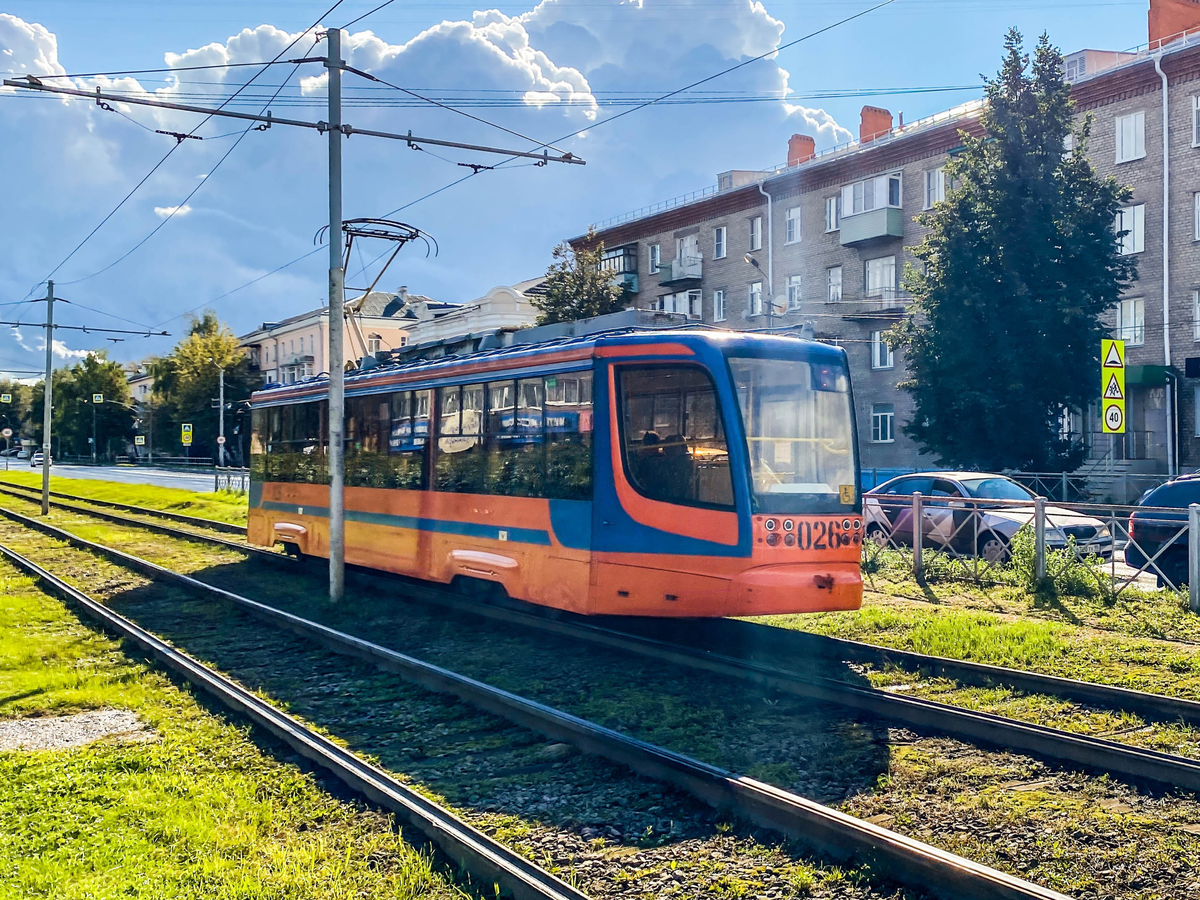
(1169, 387)
(770, 259)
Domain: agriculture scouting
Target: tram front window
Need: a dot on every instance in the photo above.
(799, 428)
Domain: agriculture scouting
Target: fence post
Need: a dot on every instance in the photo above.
(1194, 557)
(1065, 498)
(918, 528)
(1039, 538)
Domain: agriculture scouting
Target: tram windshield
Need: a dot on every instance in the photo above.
(799, 428)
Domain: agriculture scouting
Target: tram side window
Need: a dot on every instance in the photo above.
(407, 438)
(568, 419)
(461, 463)
(673, 438)
(288, 444)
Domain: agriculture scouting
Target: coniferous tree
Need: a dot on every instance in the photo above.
(1021, 263)
(577, 287)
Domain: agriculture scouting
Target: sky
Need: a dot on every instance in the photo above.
(237, 245)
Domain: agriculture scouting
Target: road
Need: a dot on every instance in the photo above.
(190, 481)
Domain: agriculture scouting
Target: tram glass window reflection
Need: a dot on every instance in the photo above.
(408, 435)
(799, 428)
(461, 463)
(673, 436)
(568, 419)
(288, 443)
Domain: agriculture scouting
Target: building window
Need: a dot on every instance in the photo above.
(834, 293)
(756, 299)
(831, 214)
(1196, 408)
(1196, 216)
(879, 276)
(1068, 145)
(756, 233)
(935, 187)
(1131, 137)
(374, 344)
(794, 284)
(719, 242)
(882, 356)
(655, 260)
(883, 423)
(792, 222)
(1131, 322)
(1196, 316)
(1131, 223)
(718, 306)
(874, 193)
(685, 302)
(1076, 67)
(1196, 121)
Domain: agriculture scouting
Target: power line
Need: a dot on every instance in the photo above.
(364, 15)
(275, 61)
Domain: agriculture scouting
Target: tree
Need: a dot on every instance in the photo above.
(186, 384)
(576, 285)
(15, 413)
(1021, 261)
(72, 417)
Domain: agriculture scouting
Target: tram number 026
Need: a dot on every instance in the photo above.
(821, 534)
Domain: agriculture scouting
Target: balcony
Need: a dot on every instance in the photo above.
(868, 227)
(688, 269)
(885, 304)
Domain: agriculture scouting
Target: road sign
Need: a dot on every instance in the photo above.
(139, 440)
(187, 434)
(97, 398)
(5, 398)
(6, 433)
(220, 439)
(1112, 386)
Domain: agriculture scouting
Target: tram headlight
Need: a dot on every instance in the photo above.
(789, 539)
(788, 524)
(857, 524)
(769, 525)
(772, 539)
(845, 524)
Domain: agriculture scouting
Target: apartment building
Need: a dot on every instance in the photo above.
(819, 244)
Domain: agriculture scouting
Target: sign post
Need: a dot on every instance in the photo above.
(6, 434)
(186, 437)
(1112, 386)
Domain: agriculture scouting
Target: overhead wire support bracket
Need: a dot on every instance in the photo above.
(542, 156)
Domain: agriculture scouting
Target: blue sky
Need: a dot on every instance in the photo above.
(67, 165)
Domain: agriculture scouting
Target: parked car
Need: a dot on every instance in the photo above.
(36, 459)
(1155, 527)
(22, 453)
(952, 499)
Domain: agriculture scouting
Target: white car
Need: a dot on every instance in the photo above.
(36, 460)
(956, 515)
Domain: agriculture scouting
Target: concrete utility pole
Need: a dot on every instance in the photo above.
(48, 398)
(337, 366)
(221, 417)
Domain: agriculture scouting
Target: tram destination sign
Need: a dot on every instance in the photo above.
(1112, 386)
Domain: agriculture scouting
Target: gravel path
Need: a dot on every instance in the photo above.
(61, 732)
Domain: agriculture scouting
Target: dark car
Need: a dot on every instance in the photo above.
(1156, 526)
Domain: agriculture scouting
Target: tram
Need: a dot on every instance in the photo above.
(671, 472)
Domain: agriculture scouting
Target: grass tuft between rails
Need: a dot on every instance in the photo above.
(223, 506)
(200, 810)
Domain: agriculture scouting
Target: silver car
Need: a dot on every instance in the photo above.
(956, 515)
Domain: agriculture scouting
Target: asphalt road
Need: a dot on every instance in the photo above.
(190, 481)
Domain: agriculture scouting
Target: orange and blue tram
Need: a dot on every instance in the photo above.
(685, 472)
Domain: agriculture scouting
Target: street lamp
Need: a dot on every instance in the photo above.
(221, 416)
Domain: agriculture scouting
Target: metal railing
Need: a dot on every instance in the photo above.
(230, 479)
(1101, 547)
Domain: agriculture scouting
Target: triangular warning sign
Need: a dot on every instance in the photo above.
(1113, 391)
(1113, 358)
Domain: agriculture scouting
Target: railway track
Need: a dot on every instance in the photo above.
(827, 831)
(751, 652)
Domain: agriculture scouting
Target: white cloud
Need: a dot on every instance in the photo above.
(167, 211)
(62, 351)
(27, 48)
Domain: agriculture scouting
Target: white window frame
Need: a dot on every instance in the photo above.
(1196, 216)
(831, 215)
(686, 302)
(756, 233)
(374, 343)
(1129, 135)
(1196, 121)
(718, 306)
(833, 284)
(935, 186)
(795, 291)
(884, 286)
(1131, 321)
(1196, 316)
(720, 242)
(1132, 219)
(882, 355)
(654, 253)
(1196, 408)
(883, 423)
(791, 226)
(754, 299)
(864, 196)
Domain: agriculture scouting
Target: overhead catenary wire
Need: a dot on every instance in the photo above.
(366, 14)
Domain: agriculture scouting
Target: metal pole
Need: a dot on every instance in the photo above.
(150, 439)
(1065, 498)
(918, 515)
(48, 398)
(1194, 557)
(93, 432)
(1039, 538)
(221, 419)
(337, 374)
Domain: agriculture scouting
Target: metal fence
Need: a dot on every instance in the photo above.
(1075, 487)
(1100, 547)
(230, 479)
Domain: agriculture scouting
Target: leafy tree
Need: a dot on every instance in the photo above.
(576, 286)
(186, 384)
(1021, 262)
(72, 417)
(14, 415)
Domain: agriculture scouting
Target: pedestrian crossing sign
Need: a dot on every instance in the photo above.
(1112, 386)
(187, 434)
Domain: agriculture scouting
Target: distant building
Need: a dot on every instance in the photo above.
(141, 383)
(503, 307)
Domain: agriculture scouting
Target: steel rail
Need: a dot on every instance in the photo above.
(994, 730)
(822, 829)
(479, 854)
(9, 487)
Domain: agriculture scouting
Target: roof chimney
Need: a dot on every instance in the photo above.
(876, 123)
(1171, 19)
(801, 148)
(403, 293)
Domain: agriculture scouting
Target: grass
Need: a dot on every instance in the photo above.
(202, 811)
(223, 506)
